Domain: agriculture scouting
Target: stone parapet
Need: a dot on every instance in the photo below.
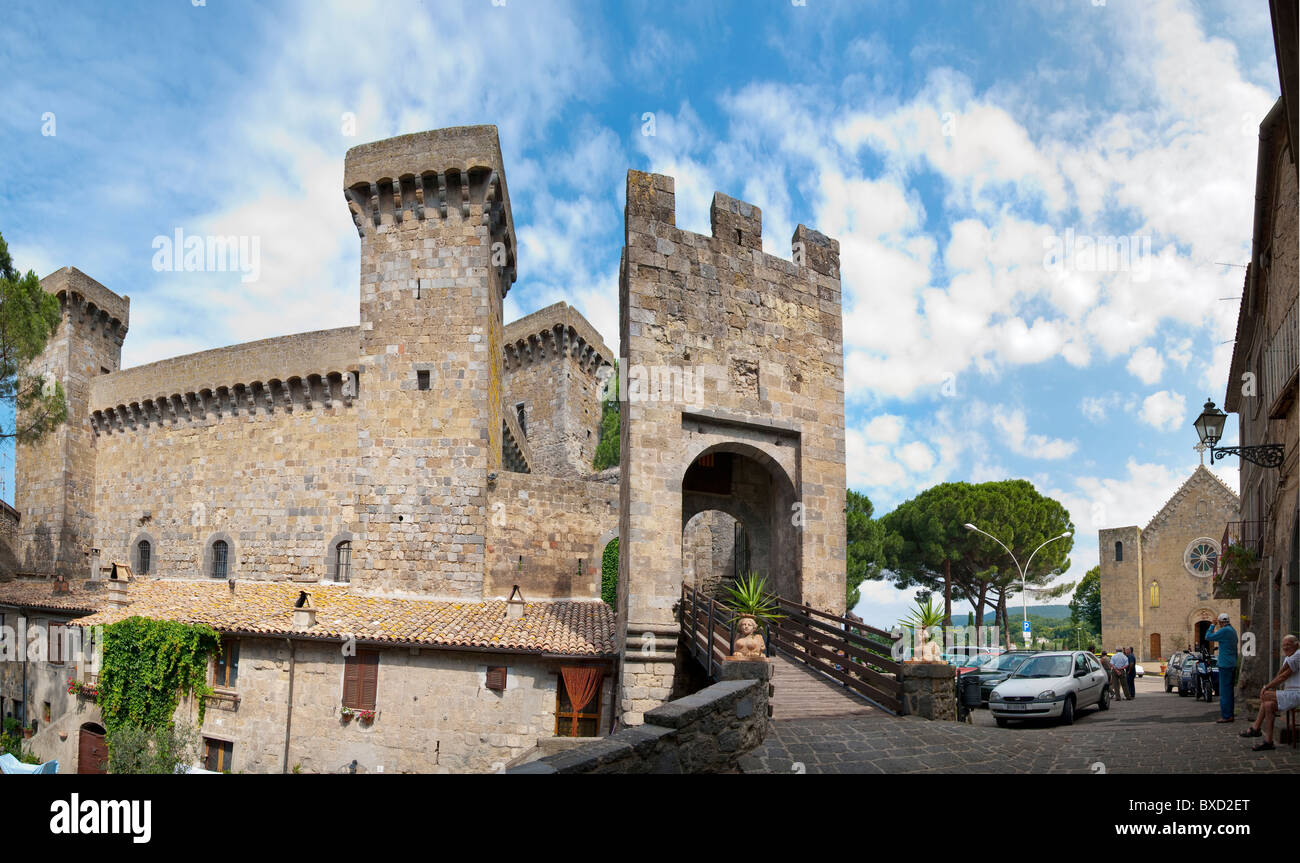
(706, 732)
(929, 690)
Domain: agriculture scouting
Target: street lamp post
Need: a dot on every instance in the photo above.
(1209, 426)
(1024, 596)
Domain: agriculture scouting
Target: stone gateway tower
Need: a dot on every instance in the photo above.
(733, 388)
(437, 257)
(1157, 592)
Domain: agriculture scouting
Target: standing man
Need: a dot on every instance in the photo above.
(1118, 664)
(1130, 673)
(1226, 637)
(1279, 695)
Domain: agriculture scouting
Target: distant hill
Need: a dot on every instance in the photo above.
(1049, 612)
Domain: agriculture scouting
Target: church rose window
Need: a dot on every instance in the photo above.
(1201, 556)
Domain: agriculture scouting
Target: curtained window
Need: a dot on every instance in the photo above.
(577, 707)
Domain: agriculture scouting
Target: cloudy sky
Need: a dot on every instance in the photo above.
(965, 154)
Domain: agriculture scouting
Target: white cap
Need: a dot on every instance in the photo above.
(1223, 617)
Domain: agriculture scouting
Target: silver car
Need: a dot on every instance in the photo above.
(1051, 685)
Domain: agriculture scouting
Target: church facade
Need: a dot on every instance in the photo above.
(1157, 591)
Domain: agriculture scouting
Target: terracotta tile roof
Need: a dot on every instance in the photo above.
(266, 608)
(81, 596)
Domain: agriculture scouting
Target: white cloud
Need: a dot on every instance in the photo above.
(1146, 365)
(1164, 410)
(1014, 428)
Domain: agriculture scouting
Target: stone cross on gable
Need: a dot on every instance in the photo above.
(1200, 449)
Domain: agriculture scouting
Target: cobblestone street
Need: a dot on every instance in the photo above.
(1155, 733)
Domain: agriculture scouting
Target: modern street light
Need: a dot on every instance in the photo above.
(1209, 425)
(1024, 595)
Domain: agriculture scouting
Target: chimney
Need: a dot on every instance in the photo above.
(119, 581)
(515, 604)
(304, 612)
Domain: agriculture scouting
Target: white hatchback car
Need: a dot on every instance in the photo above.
(1051, 685)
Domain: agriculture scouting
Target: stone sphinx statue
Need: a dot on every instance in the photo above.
(750, 645)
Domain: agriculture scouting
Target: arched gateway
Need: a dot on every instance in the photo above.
(733, 381)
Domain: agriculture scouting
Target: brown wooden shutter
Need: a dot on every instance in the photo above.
(352, 682)
(55, 643)
(369, 678)
(496, 678)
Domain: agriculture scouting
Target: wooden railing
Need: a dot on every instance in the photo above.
(842, 649)
(853, 654)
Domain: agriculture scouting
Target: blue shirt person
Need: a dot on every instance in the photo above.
(1226, 637)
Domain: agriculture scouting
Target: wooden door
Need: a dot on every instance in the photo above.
(1155, 646)
(92, 752)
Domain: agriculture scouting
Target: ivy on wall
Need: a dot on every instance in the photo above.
(609, 574)
(148, 665)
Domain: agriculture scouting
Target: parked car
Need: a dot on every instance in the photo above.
(966, 662)
(1187, 675)
(998, 669)
(1174, 671)
(1051, 684)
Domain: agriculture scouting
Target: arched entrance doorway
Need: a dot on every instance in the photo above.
(715, 549)
(739, 489)
(92, 752)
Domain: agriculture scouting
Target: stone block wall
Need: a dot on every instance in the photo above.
(929, 690)
(706, 732)
(558, 525)
(10, 547)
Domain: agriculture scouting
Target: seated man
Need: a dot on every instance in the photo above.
(1279, 695)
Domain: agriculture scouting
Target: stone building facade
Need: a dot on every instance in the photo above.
(1264, 392)
(1157, 592)
(434, 454)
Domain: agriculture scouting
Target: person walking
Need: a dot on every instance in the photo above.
(1279, 695)
(1226, 637)
(1118, 664)
(1130, 672)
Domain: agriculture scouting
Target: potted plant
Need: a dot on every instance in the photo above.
(751, 607)
(367, 716)
(920, 620)
(346, 713)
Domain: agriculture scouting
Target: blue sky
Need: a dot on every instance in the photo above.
(944, 144)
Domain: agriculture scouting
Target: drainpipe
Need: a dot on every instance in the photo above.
(288, 718)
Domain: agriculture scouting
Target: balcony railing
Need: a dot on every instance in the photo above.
(1245, 534)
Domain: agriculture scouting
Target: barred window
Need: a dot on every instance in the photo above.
(143, 551)
(343, 561)
(220, 555)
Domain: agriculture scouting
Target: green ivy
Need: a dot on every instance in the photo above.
(609, 574)
(148, 665)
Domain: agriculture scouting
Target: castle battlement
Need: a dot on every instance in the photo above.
(551, 332)
(301, 371)
(651, 198)
(90, 301)
(444, 174)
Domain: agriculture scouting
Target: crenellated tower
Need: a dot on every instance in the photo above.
(54, 478)
(437, 258)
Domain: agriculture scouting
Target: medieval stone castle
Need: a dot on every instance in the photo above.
(420, 486)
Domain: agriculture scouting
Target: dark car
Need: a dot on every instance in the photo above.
(1174, 671)
(998, 669)
(1187, 674)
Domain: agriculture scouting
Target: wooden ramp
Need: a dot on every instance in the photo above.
(801, 693)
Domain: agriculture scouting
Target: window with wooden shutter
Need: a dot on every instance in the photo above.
(225, 667)
(496, 678)
(361, 680)
(56, 643)
(217, 754)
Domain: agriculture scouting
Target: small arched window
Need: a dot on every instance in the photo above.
(1155, 595)
(220, 559)
(343, 561)
(143, 555)
(1119, 552)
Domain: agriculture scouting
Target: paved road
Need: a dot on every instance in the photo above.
(1154, 733)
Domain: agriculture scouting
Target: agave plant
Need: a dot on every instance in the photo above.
(925, 615)
(747, 596)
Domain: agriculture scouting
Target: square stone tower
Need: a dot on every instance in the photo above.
(437, 257)
(55, 477)
(733, 401)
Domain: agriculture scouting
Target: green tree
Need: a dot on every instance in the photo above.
(607, 448)
(928, 546)
(609, 574)
(1085, 607)
(866, 544)
(135, 749)
(29, 316)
